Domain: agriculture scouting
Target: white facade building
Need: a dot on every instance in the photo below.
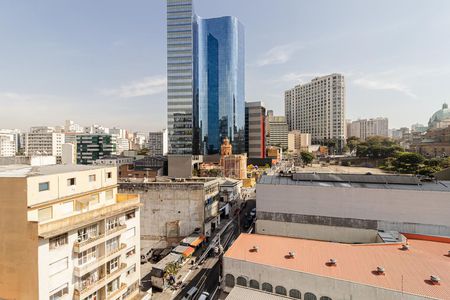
(298, 141)
(44, 141)
(365, 128)
(7, 145)
(69, 154)
(277, 131)
(71, 126)
(158, 143)
(96, 129)
(318, 108)
(74, 236)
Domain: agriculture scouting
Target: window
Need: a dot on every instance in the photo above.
(109, 194)
(87, 233)
(325, 298)
(58, 266)
(112, 223)
(94, 199)
(130, 252)
(70, 181)
(129, 233)
(241, 281)
(267, 287)
(112, 245)
(113, 285)
(112, 265)
(45, 214)
(229, 280)
(87, 256)
(131, 270)
(130, 215)
(92, 178)
(92, 297)
(310, 296)
(254, 284)
(295, 294)
(109, 175)
(58, 241)
(280, 290)
(44, 186)
(58, 293)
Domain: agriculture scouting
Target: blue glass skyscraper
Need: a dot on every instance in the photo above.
(206, 81)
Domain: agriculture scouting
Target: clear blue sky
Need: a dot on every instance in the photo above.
(104, 61)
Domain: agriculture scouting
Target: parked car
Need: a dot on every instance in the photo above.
(156, 254)
(253, 212)
(146, 257)
(204, 296)
(190, 294)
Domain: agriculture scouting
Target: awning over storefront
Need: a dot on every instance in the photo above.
(193, 240)
(186, 251)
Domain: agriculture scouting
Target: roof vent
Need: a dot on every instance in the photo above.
(435, 279)
(380, 270)
(405, 247)
(332, 262)
(291, 254)
(254, 249)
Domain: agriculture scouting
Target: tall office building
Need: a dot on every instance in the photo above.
(318, 108)
(91, 147)
(205, 75)
(44, 140)
(369, 127)
(255, 129)
(278, 131)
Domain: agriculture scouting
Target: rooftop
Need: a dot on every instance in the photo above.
(396, 182)
(356, 263)
(27, 170)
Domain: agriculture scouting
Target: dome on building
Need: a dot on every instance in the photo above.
(439, 117)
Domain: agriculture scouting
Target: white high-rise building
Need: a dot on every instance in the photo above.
(318, 108)
(71, 126)
(369, 127)
(7, 145)
(277, 131)
(67, 234)
(158, 143)
(44, 141)
(96, 129)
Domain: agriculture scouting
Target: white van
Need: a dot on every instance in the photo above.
(190, 294)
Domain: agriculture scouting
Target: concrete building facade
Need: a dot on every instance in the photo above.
(350, 208)
(278, 130)
(255, 129)
(66, 232)
(158, 143)
(44, 141)
(318, 108)
(365, 128)
(298, 142)
(173, 209)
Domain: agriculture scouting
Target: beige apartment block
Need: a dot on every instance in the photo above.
(67, 234)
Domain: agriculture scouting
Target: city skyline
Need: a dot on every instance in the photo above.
(110, 68)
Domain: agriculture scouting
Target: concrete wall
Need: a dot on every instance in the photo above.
(168, 206)
(410, 211)
(180, 166)
(304, 282)
(19, 243)
(316, 232)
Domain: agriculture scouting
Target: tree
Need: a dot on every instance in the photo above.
(353, 142)
(407, 162)
(307, 157)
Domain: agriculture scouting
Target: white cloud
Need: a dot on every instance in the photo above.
(279, 54)
(144, 87)
(376, 84)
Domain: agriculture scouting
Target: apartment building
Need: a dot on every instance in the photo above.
(298, 142)
(44, 140)
(158, 143)
(91, 147)
(318, 108)
(365, 128)
(66, 232)
(278, 130)
(7, 145)
(255, 129)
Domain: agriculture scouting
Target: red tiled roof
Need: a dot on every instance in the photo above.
(356, 263)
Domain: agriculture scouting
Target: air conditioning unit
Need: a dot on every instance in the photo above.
(332, 262)
(380, 270)
(435, 279)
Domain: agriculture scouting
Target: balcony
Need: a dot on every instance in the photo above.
(100, 261)
(118, 293)
(82, 292)
(118, 230)
(89, 243)
(123, 203)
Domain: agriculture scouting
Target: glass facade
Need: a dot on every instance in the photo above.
(205, 82)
